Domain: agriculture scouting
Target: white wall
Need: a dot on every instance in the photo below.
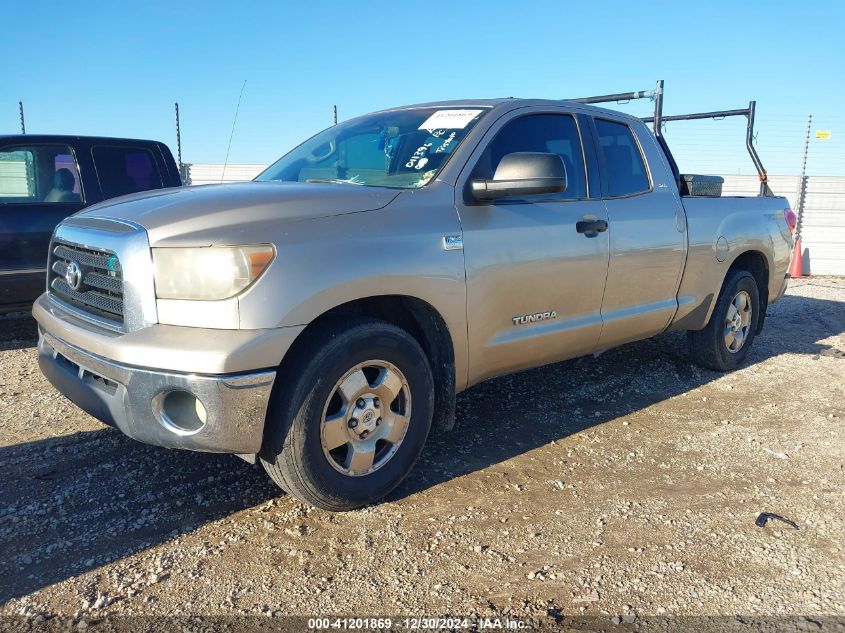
(13, 180)
(209, 174)
(823, 226)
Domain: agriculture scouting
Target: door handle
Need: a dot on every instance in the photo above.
(591, 227)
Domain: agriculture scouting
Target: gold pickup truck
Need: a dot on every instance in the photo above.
(322, 318)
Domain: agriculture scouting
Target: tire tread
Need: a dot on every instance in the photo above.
(706, 346)
(286, 467)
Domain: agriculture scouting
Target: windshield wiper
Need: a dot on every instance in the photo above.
(336, 181)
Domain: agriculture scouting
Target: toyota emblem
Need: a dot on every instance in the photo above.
(73, 275)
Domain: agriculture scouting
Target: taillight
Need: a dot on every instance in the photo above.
(791, 219)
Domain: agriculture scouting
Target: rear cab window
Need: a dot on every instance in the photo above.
(39, 174)
(625, 172)
(125, 170)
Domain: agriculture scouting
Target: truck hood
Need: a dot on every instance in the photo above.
(203, 215)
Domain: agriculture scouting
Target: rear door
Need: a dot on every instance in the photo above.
(39, 187)
(647, 230)
(534, 283)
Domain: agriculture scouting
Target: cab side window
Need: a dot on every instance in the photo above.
(623, 162)
(39, 174)
(550, 133)
(124, 170)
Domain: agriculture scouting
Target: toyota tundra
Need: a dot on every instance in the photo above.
(322, 318)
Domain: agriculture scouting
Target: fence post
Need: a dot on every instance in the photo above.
(178, 139)
(802, 191)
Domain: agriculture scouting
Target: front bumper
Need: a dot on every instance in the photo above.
(135, 400)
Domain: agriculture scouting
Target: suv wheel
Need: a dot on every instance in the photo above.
(726, 340)
(352, 422)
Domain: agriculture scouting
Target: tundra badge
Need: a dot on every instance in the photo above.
(531, 318)
(453, 243)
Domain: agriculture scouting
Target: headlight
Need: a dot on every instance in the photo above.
(210, 273)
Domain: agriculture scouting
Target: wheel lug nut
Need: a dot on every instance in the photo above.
(353, 423)
(376, 402)
(360, 403)
(364, 434)
(378, 422)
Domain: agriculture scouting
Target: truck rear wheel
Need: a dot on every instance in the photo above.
(726, 340)
(352, 422)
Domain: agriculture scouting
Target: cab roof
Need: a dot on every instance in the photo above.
(505, 104)
(70, 138)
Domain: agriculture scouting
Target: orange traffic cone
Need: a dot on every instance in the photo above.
(796, 268)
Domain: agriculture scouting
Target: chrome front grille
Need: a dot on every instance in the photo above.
(99, 291)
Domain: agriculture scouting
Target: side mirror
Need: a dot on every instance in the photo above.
(523, 174)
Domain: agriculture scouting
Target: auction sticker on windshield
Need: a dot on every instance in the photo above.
(449, 119)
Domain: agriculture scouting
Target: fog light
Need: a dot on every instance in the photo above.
(180, 412)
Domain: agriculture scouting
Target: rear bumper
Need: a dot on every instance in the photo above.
(136, 400)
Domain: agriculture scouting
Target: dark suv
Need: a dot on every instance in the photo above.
(45, 178)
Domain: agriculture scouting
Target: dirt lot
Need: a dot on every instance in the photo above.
(623, 485)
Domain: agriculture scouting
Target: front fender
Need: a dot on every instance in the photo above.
(326, 262)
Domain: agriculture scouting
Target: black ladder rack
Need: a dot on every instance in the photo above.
(749, 135)
(658, 119)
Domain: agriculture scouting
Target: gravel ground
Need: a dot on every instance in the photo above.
(623, 487)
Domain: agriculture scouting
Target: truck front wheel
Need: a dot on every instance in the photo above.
(726, 340)
(353, 420)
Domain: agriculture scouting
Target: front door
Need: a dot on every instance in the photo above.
(534, 283)
(39, 187)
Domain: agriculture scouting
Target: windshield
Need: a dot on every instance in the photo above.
(402, 149)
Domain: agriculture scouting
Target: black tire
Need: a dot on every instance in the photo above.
(293, 452)
(708, 347)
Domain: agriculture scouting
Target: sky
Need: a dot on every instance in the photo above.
(116, 68)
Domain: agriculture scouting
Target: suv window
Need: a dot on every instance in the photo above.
(553, 133)
(624, 167)
(124, 170)
(39, 174)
